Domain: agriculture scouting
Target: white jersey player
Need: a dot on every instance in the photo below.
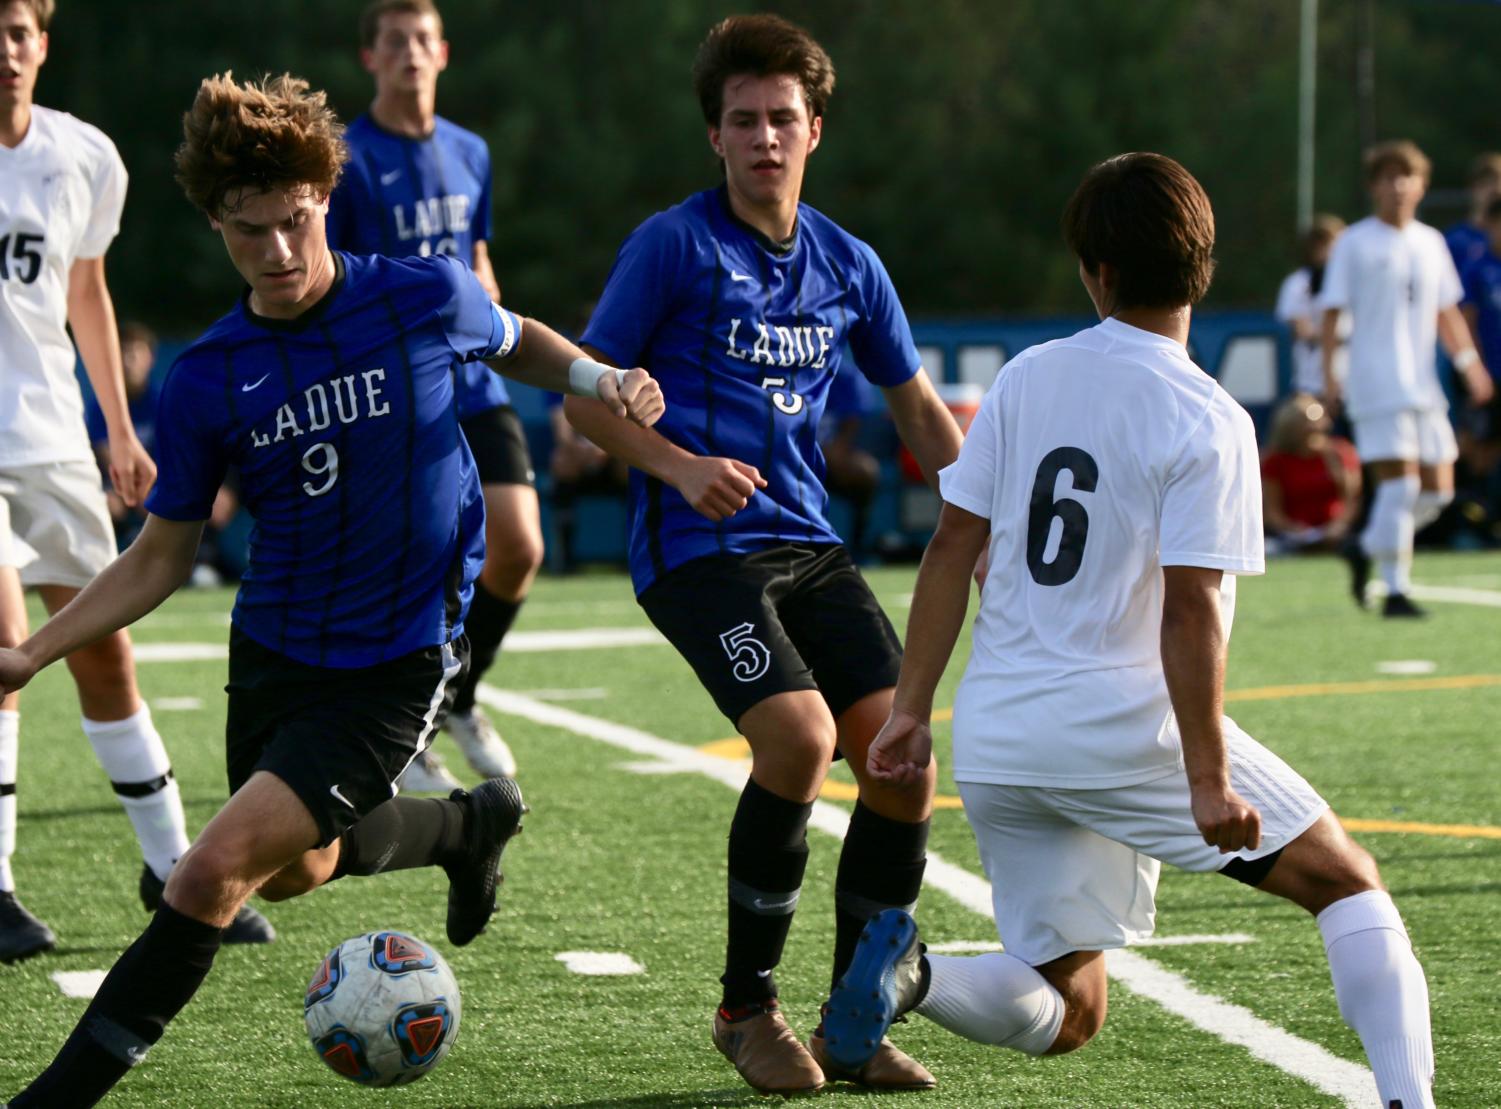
(1115, 490)
(1396, 280)
(59, 210)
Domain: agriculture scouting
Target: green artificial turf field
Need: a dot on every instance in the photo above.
(624, 853)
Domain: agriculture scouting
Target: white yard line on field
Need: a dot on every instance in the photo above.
(966, 947)
(1489, 598)
(1350, 1082)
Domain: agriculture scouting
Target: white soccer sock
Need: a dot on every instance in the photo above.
(10, 749)
(1388, 533)
(131, 753)
(1382, 994)
(1429, 507)
(994, 999)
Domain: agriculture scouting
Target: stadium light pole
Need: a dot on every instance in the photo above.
(1308, 41)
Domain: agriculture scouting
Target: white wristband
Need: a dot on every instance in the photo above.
(1466, 358)
(584, 375)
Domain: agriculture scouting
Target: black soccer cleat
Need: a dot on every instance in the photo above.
(248, 926)
(883, 982)
(493, 815)
(1398, 605)
(1360, 567)
(21, 934)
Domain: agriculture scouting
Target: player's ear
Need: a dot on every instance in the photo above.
(815, 132)
(367, 59)
(41, 48)
(715, 140)
(442, 55)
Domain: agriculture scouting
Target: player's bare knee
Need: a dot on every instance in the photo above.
(205, 876)
(509, 569)
(1082, 1020)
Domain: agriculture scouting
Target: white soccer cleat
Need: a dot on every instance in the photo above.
(481, 744)
(427, 774)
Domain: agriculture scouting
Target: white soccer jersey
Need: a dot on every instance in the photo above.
(1394, 282)
(1296, 301)
(63, 191)
(1098, 460)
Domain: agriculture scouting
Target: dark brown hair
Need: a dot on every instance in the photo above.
(1146, 216)
(1399, 154)
(1485, 167)
(43, 10)
(269, 134)
(1324, 229)
(370, 17)
(763, 45)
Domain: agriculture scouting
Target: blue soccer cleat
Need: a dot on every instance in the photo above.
(881, 984)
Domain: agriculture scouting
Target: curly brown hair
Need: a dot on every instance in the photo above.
(1145, 215)
(274, 133)
(764, 45)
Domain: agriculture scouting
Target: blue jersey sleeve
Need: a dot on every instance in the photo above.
(881, 339)
(476, 326)
(348, 210)
(479, 223)
(639, 293)
(190, 451)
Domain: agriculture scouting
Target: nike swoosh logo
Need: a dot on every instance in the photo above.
(339, 796)
(256, 385)
(736, 275)
(387, 178)
(763, 904)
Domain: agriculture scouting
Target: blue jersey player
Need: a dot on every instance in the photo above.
(743, 302)
(330, 387)
(416, 184)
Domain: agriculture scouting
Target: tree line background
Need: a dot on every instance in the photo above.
(956, 132)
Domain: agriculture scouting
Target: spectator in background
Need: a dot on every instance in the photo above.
(1297, 306)
(1481, 438)
(851, 471)
(579, 469)
(1310, 480)
(138, 345)
(1468, 241)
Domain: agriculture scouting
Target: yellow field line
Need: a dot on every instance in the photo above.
(735, 747)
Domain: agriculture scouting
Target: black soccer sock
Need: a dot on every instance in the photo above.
(403, 833)
(486, 625)
(881, 867)
(148, 985)
(768, 853)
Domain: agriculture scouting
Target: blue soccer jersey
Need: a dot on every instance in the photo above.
(745, 336)
(369, 523)
(401, 196)
(1482, 282)
(1467, 243)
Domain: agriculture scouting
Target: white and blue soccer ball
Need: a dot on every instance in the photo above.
(382, 1009)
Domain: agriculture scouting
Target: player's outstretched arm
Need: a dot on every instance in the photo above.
(143, 577)
(901, 751)
(925, 424)
(91, 315)
(547, 360)
(1193, 662)
(717, 488)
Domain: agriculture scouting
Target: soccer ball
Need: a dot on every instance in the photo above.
(382, 1009)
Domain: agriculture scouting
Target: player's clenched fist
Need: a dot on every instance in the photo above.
(633, 395)
(15, 671)
(900, 754)
(1226, 820)
(717, 487)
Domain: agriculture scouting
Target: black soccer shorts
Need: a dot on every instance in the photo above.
(498, 442)
(338, 737)
(789, 617)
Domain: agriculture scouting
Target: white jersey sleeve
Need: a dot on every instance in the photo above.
(107, 182)
(1450, 288)
(1335, 292)
(1293, 300)
(969, 481)
(1211, 500)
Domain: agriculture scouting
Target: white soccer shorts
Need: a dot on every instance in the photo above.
(1076, 869)
(56, 527)
(1421, 434)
